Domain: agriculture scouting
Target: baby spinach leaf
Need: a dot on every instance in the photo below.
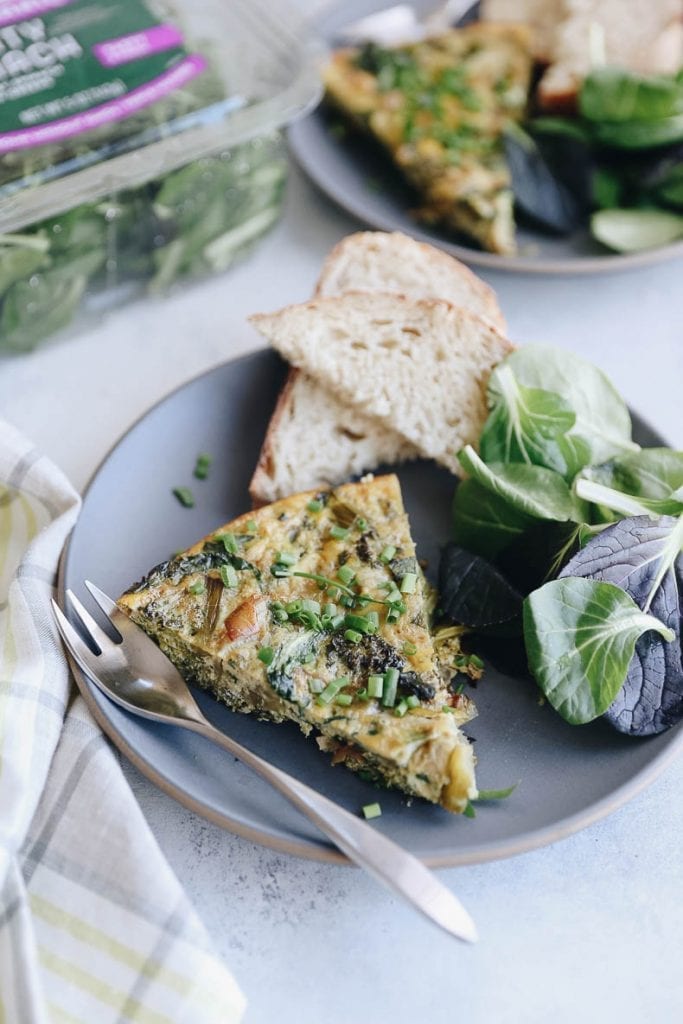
(532, 490)
(635, 230)
(580, 637)
(669, 188)
(635, 135)
(643, 558)
(602, 419)
(34, 309)
(625, 504)
(610, 94)
(648, 473)
(484, 523)
(20, 257)
(473, 593)
(529, 425)
(648, 481)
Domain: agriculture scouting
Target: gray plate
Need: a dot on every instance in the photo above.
(567, 776)
(362, 181)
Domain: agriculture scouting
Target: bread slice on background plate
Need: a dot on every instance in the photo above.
(573, 36)
(646, 38)
(418, 366)
(315, 440)
(246, 613)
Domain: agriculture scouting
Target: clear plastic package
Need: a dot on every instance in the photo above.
(140, 147)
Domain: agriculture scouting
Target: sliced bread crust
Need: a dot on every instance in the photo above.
(418, 366)
(312, 436)
(315, 440)
(380, 261)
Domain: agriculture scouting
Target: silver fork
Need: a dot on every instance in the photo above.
(136, 674)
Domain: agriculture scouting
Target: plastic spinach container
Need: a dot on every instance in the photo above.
(140, 147)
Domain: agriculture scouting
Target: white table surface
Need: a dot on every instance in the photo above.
(590, 929)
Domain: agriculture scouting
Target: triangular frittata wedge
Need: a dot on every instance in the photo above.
(440, 107)
(314, 609)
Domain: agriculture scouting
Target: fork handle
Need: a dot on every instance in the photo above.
(389, 863)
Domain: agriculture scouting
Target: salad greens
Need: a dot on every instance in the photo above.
(562, 509)
(580, 639)
(621, 159)
(191, 222)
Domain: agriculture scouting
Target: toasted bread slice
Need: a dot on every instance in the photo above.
(418, 366)
(381, 261)
(254, 614)
(644, 38)
(541, 17)
(313, 439)
(568, 35)
(439, 107)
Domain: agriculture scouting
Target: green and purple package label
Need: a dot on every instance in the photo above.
(72, 66)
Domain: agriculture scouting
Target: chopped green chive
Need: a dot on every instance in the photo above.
(314, 505)
(308, 659)
(401, 708)
(362, 694)
(409, 648)
(286, 558)
(408, 583)
(375, 686)
(390, 685)
(197, 587)
(372, 811)
(353, 636)
(327, 695)
(337, 621)
(229, 542)
(279, 614)
(361, 623)
(387, 553)
(476, 661)
(344, 699)
(469, 811)
(266, 655)
(294, 607)
(361, 523)
(251, 525)
(346, 575)
(339, 532)
(373, 619)
(228, 576)
(201, 467)
(330, 609)
(184, 496)
(316, 685)
(412, 701)
(308, 605)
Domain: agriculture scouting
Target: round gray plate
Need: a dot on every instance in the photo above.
(361, 180)
(130, 521)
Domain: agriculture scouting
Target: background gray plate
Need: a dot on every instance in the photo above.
(362, 181)
(130, 521)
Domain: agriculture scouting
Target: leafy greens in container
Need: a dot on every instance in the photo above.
(139, 145)
(563, 510)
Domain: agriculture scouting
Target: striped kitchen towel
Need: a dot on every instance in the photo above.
(94, 925)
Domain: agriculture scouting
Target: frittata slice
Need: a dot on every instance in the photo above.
(314, 609)
(440, 107)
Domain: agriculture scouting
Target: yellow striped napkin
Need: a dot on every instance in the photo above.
(94, 925)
